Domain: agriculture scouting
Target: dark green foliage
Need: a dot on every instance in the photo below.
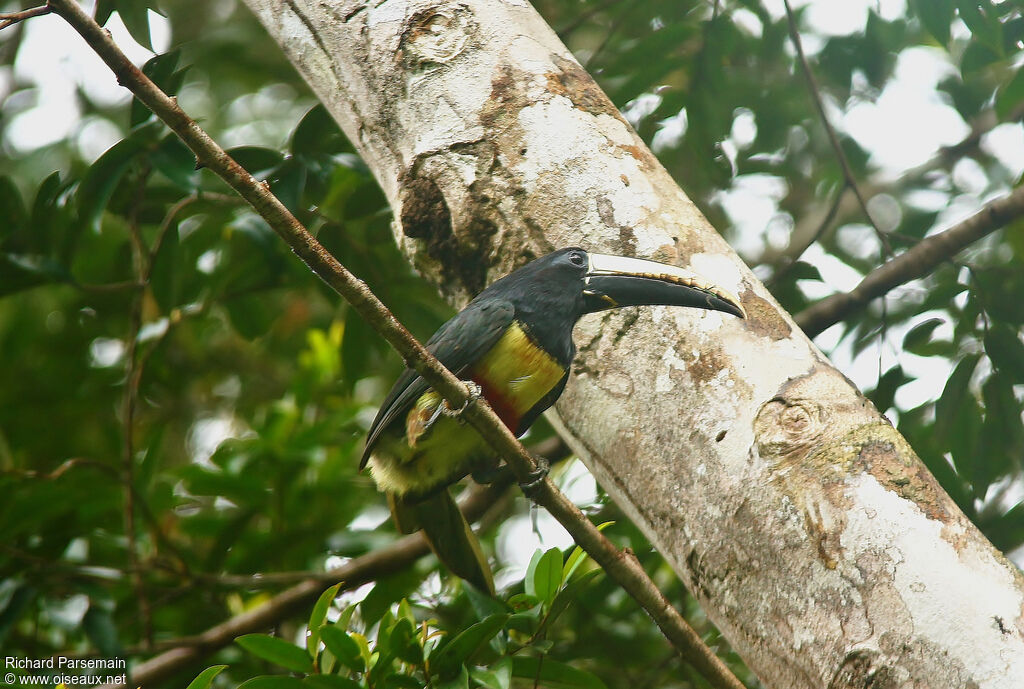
(235, 341)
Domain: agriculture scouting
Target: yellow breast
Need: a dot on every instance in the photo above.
(515, 375)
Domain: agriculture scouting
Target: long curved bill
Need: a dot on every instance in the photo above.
(614, 281)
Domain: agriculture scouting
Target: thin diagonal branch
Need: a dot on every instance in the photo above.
(12, 18)
(913, 263)
(621, 566)
(844, 163)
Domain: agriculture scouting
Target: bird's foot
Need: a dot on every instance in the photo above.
(532, 485)
(475, 391)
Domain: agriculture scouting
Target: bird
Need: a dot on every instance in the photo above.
(513, 346)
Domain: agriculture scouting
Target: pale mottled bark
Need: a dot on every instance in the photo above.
(808, 529)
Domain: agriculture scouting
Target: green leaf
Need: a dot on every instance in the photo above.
(398, 681)
(257, 160)
(920, 334)
(343, 646)
(544, 575)
(161, 70)
(272, 682)
(287, 181)
(984, 27)
(498, 676)
(1001, 442)
(977, 56)
(566, 596)
(317, 617)
(459, 681)
(102, 177)
(135, 16)
(16, 604)
(276, 651)
(953, 394)
(936, 17)
(802, 270)
(104, 8)
(19, 272)
(250, 315)
(386, 592)
(554, 675)
(330, 682)
(165, 278)
(446, 660)
(579, 556)
(404, 644)
(1006, 351)
(1010, 96)
(12, 208)
(176, 162)
(99, 627)
(205, 678)
(318, 134)
(885, 392)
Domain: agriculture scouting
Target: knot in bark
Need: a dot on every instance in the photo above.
(437, 35)
(787, 426)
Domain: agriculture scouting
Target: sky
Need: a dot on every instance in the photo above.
(902, 128)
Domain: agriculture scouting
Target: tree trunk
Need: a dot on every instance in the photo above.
(806, 526)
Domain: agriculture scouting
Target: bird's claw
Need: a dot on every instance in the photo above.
(531, 486)
(475, 391)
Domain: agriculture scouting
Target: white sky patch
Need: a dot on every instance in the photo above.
(95, 136)
(55, 59)
(748, 22)
(671, 131)
(838, 17)
(744, 128)
(751, 202)
(105, 352)
(1006, 144)
(207, 434)
(640, 108)
(910, 120)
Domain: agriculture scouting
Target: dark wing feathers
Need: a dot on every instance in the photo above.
(457, 344)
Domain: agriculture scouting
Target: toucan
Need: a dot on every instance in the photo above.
(513, 345)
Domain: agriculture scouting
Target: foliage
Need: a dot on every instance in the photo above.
(157, 335)
(390, 646)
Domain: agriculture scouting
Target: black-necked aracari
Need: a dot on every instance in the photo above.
(513, 341)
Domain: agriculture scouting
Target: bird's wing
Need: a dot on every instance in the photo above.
(457, 344)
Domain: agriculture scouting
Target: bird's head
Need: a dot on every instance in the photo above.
(576, 281)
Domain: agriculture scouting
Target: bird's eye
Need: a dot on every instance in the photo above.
(576, 258)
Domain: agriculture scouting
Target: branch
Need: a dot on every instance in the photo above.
(812, 85)
(913, 263)
(12, 18)
(622, 567)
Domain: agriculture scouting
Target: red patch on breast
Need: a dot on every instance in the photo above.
(502, 406)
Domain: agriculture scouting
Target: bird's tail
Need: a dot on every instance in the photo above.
(448, 533)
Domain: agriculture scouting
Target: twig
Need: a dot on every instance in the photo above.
(12, 18)
(812, 85)
(913, 263)
(133, 374)
(622, 567)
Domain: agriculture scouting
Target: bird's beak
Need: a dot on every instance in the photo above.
(614, 281)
